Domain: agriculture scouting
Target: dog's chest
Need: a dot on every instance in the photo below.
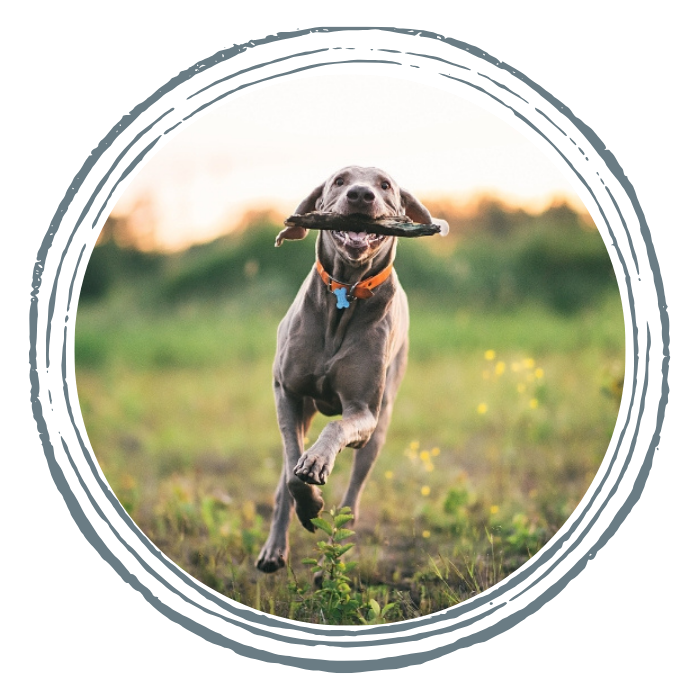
(310, 368)
(323, 366)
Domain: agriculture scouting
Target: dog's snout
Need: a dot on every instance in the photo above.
(360, 193)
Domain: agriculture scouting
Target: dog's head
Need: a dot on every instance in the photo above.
(367, 191)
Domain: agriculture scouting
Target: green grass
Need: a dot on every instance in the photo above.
(484, 462)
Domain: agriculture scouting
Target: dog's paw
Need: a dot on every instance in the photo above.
(313, 468)
(308, 502)
(309, 509)
(272, 558)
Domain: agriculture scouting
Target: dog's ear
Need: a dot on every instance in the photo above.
(309, 204)
(419, 214)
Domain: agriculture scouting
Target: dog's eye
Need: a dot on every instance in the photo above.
(338, 181)
(385, 185)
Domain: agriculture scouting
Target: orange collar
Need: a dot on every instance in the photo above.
(361, 290)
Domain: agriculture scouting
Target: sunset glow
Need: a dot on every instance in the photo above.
(267, 149)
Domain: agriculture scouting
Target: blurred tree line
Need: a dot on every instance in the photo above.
(495, 256)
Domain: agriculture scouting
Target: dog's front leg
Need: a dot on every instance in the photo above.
(353, 430)
(293, 416)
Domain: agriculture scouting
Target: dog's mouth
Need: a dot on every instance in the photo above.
(359, 241)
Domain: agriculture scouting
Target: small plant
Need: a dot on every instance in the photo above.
(523, 536)
(376, 614)
(335, 601)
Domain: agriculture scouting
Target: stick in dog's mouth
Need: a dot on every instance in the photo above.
(400, 226)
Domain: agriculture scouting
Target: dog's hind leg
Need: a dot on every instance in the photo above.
(294, 417)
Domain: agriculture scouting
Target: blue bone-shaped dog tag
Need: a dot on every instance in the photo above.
(343, 302)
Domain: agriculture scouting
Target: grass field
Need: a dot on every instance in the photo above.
(499, 428)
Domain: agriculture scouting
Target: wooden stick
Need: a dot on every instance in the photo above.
(400, 226)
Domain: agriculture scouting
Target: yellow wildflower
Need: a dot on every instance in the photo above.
(490, 354)
(500, 367)
(425, 491)
(539, 373)
(482, 408)
(248, 511)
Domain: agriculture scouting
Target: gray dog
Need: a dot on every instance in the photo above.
(341, 349)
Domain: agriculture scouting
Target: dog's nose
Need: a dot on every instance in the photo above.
(360, 193)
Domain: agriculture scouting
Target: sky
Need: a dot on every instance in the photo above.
(268, 148)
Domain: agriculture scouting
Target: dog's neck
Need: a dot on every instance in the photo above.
(343, 270)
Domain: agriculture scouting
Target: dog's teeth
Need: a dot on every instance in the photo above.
(353, 237)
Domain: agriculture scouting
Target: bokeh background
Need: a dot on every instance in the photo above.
(517, 343)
